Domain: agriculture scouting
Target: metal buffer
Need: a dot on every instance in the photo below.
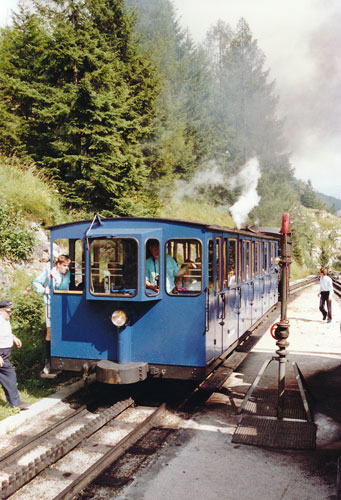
(280, 332)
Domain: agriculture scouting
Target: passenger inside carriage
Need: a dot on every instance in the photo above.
(188, 282)
(113, 268)
(232, 276)
(173, 272)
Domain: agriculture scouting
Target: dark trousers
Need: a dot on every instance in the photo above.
(323, 299)
(8, 379)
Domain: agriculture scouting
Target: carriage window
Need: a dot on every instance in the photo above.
(210, 266)
(72, 252)
(256, 258)
(272, 261)
(183, 267)
(152, 282)
(253, 259)
(232, 261)
(113, 267)
(266, 257)
(259, 258)
(218, 261)
(248, 259)
(241, 260)
(225, 263)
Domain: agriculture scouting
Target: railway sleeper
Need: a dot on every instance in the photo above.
(20, 475)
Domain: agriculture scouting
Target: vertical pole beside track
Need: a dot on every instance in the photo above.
(282, 330)
(281, 334)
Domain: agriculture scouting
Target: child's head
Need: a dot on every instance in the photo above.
(62, 263)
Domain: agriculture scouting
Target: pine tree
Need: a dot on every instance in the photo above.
(22, 89)
(181, 139)
(95, 106)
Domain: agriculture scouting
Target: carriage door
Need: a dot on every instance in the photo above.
(215, 300)
(232, 291)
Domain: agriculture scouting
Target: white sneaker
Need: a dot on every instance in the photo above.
(47, 367)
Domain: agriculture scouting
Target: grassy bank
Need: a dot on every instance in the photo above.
(28, 192)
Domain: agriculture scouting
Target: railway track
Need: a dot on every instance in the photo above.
(299, 285)
(336, 284)
(87, 440)
(65, 458)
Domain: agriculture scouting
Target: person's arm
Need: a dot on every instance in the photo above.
(149, 277)
(151, 287)
(184, 270)
(40, 284)
(17, 341)
(331, 289)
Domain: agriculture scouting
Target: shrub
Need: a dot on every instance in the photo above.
(16, 241)
(28, 324)
(25, 189)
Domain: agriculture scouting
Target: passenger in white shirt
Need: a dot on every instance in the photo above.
(326, 294)
(8, 378)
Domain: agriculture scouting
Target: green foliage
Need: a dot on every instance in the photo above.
(116, 112)
(296, 249)
(333, 204)
(308, 197)
(243, 101)
(298, 271)
(324, 256)
(16, 241)
(277, 196)
(315, 236)
(26, 190)
(337, 263)
(28, 324)
(182, 132)
(197, 212)
(84, 96)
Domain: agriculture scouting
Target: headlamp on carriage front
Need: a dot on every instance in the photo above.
(119, 318)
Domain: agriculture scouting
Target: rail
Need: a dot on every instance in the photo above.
(336, 283)
(302, 283)
(54, 447)
(112, 454)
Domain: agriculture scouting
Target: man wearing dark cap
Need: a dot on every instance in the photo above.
(8, 378)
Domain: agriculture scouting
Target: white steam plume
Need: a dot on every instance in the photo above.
(210, 175)
(248, 178)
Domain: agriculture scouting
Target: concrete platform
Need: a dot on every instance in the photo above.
(201, 461)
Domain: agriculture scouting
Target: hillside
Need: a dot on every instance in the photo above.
(316, 241)
(331, 202)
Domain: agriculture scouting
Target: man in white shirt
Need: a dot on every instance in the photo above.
(326, 294)
(8, 378)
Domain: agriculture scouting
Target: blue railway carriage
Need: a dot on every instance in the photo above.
(157, 297)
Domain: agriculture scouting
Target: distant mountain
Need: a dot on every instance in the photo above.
(330, 201)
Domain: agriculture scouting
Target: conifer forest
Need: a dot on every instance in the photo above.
(117, 106)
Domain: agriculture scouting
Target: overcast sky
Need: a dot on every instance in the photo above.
(301, 40)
